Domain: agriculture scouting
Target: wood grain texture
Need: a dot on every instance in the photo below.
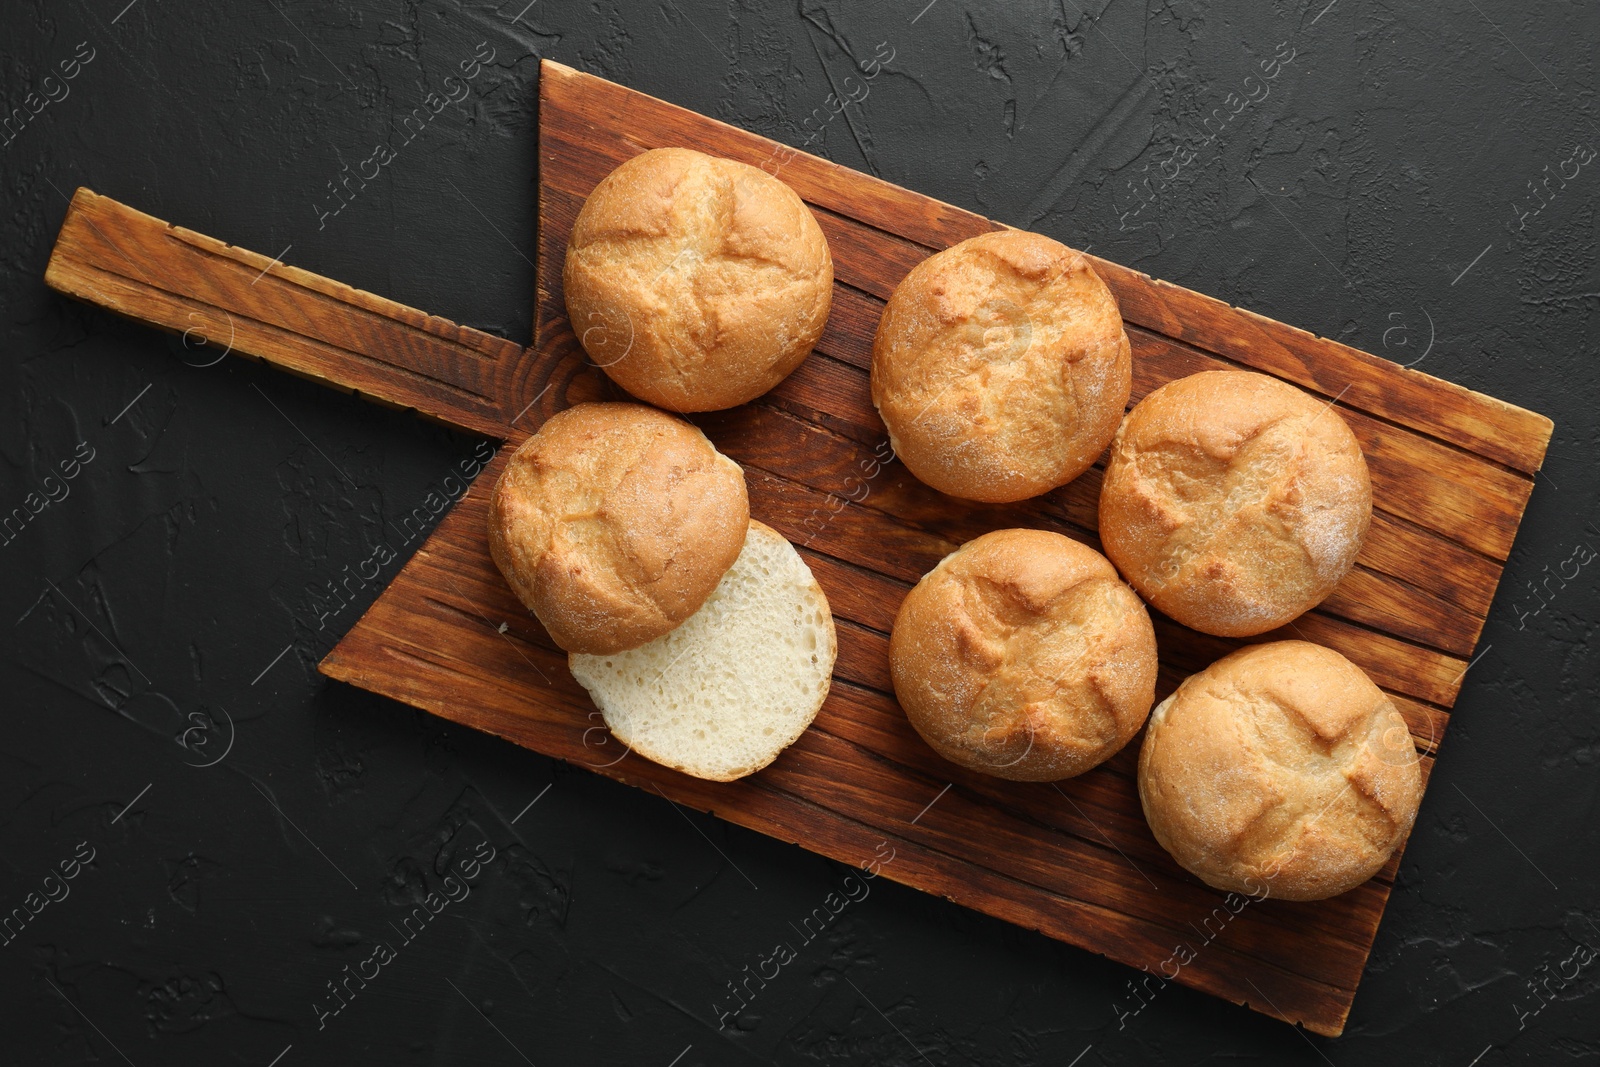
(112, 255)
(1452, 472)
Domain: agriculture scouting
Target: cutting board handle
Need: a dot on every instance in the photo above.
(238, 301)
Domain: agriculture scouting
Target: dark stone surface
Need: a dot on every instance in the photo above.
(149, 606)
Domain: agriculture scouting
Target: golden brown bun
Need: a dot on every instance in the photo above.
(1001, 367)
(614, 522)
(1234, 502)
(1023, 655)
(695, 282)
(1281, 771)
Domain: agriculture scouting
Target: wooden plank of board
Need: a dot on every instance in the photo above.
(240, 301)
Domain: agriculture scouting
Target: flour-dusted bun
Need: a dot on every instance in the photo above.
(723, 694)
(1282, 771)
(614, 523)
(1023, 655)
(696, 282)
(1234, 502)
(1000, 367)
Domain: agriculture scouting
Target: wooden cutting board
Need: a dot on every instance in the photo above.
(1451, 470)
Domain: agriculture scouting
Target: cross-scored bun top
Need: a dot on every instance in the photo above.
(1001, 367)
(614, 523)
(697, 283)
(1023, 655)
(1280, 770)
(1234, 502)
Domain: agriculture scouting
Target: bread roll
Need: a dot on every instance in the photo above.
(1234, 502)
(723, 694)
(1023, 655)
(614, 522)
(1000, 367)
(1280, 770)
(695, 282)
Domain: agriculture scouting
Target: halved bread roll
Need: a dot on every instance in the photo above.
(614, 523)
(722, 694)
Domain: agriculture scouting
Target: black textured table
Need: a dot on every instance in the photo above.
(211, 854)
